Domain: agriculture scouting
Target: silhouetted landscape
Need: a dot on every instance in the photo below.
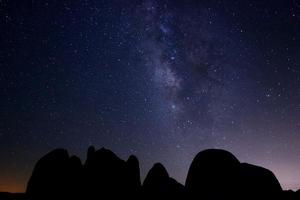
(213, 174)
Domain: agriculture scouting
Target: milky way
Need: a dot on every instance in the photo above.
(159, 79)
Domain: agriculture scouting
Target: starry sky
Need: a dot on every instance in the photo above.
(159, 79)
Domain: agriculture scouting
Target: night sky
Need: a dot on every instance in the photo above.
(160, 79)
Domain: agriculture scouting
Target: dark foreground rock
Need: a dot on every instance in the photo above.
(217, 174)
(158, 185)
(57, 175)
(213, 174)
(105, 174)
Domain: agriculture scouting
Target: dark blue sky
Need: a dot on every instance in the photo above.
(158, 79)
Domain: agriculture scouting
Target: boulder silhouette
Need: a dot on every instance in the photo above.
(212, 175)
(134, 179)
(217, 174)
(258, 182)
(288, 195)
(291, 195)
(106, 175)
(55, 175)
(158, 184)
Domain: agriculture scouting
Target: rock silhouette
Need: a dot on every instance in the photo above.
(213, 174)
(55, 175)
(158, 184)
(258, 182)
(134, 179)
(106, 175)
(217, 174)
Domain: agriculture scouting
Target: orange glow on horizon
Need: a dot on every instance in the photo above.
(13, 187)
